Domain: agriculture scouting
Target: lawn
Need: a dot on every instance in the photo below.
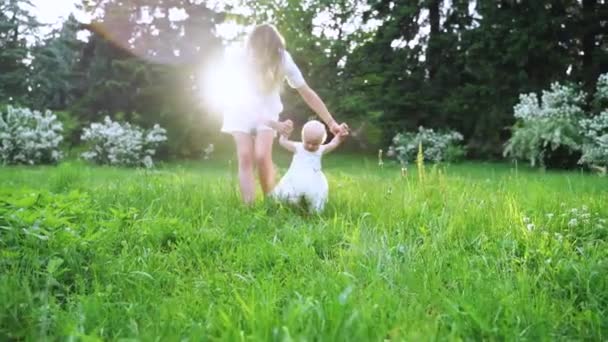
(471, 251)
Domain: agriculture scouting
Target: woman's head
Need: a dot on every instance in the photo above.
(267, 47)
(313, 135)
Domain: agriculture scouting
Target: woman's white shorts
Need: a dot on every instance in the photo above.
(245, 123)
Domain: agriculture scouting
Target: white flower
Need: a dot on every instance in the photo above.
(530, 227)
(122, 144)
(595, 147)
(546, 124)
(208, 151)
(148, 163)
(29, 137)
(559, 237)
(573, 223)
(528, 107)
(434, 144)
(602, 87)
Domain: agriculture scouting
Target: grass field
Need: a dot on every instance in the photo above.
(472, 251)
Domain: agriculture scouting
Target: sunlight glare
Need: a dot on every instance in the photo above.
(230, 30)
(225, 83)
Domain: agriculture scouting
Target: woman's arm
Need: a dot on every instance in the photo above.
(296, 81)
(318, 106)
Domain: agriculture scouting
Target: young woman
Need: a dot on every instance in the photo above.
(254, 128)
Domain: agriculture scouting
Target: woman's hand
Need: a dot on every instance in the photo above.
(285, 128)
(339, 129)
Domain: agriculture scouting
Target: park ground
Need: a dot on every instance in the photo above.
(468, 251)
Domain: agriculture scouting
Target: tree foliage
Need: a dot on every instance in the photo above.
(383, 66)
(16, 24)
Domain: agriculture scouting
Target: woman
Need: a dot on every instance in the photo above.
(253, 128)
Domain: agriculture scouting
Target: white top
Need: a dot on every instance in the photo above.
(292, 72)
(270, 104)
(251, 105)
(306, 161)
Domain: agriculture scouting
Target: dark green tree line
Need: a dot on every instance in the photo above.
(458, 64)
(16, 25)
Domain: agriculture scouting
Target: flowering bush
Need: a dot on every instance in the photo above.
(595, 146)
(113, 143)
(208, 151)
(601, 93)
(437, 146)
(595, 130)
(547, 126)
(29, 137)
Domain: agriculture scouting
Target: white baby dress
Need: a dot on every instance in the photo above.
(304, 180)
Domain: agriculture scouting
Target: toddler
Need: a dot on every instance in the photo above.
(305, 181)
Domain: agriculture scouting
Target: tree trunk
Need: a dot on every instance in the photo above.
(588, 38)
(433, 49)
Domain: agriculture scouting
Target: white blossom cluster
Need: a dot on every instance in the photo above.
(528, 107)
(595, 147)
(29, 137)
(113, 143)
(565, 224)
(602, 87)
(581, 217)
(560, 121)
(436, 146)
(561, 101)
(208, 151)
(548, 124)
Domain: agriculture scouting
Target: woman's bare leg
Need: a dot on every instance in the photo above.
(263, 159)
(245, 154)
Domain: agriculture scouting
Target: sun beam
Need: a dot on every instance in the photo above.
(226, 83)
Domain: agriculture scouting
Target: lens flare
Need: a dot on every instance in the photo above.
(158, 33)
(226, 83)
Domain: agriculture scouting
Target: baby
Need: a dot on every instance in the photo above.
(304, 181)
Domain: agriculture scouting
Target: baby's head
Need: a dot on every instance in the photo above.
(313, 135)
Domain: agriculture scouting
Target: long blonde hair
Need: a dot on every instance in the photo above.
(267, 47)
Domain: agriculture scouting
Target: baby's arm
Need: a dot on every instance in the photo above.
(334, 143)
(287, 144)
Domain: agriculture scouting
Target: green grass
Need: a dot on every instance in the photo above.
(473, 251)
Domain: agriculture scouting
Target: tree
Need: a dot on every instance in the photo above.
(16, 25)
(590, 29)
(140, 65)
(461, 64)
(53, 78)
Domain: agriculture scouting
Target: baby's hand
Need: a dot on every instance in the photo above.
(285, 128)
